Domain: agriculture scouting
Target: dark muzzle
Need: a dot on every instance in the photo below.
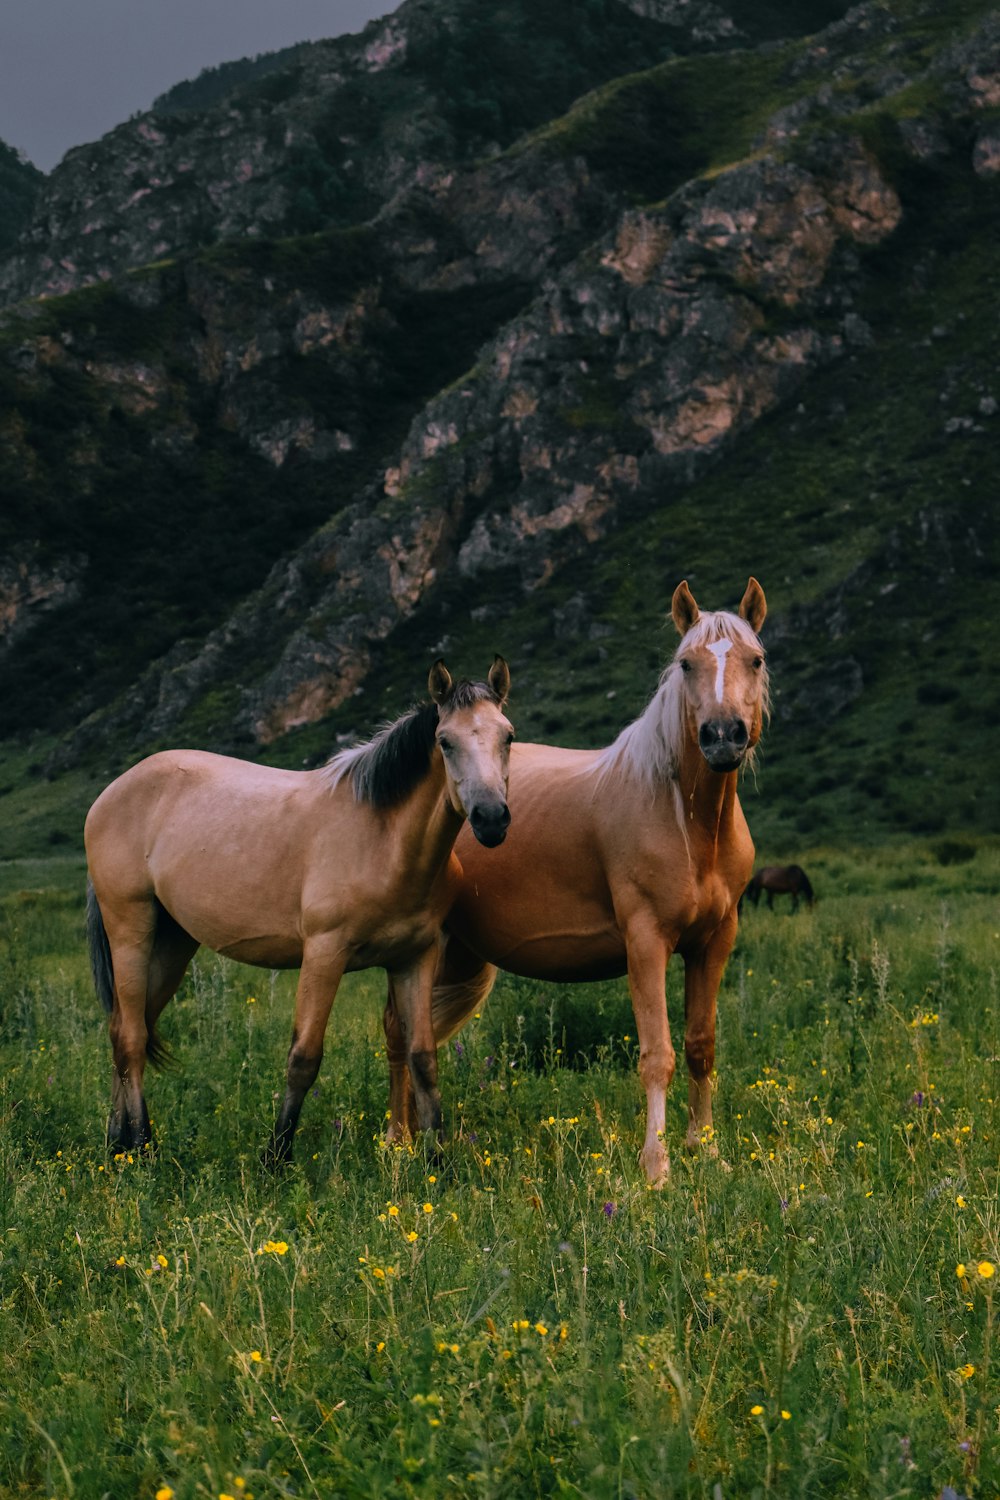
(724, 743)
(489, 822)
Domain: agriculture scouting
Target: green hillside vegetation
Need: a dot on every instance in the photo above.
(19, 183)
(213, 84)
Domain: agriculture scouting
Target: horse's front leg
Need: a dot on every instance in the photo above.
(702, 977)
(648, 953)
(323, 962)
(413, 989)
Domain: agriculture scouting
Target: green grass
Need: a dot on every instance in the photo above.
(554, 1328)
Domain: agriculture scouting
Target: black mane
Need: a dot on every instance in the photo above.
(393, 763)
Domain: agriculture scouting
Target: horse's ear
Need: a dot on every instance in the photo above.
(753, 606)
(439, 682)
(684, 609)
(499, 679)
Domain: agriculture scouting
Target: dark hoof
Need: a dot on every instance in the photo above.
(123, 1137)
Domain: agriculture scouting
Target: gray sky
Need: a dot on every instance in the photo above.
(70, 70)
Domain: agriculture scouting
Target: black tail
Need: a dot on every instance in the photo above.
(100, 952)
(157, 1052)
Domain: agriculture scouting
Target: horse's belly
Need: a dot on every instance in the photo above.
(569, 960)
(264, 952)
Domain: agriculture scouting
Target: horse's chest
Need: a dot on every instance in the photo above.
(393, 941)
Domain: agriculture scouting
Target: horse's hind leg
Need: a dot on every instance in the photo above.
(131, 930)
(402, 1111)
(173, 950)
(412, 989)
(461, 985)
(146, 975)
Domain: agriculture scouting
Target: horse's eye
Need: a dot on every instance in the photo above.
(757, 663)
(446, 745)
(685, 665)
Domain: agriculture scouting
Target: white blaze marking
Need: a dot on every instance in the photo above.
(720, 651)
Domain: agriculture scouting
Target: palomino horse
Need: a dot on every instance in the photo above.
(618, 858)
(780, 880)
(345, 867)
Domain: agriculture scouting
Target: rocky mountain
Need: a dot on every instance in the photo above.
(719, 316)
(328, 133)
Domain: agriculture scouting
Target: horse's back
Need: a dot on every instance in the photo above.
(195, 830)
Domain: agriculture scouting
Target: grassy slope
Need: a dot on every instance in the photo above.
(552, 1328)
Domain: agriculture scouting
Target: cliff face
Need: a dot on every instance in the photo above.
(335, 133)
(269, 462)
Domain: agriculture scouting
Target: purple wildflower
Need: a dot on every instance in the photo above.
(610, 1210)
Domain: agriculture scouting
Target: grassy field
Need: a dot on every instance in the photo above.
(811, 1314)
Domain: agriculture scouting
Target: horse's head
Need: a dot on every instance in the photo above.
(723, 676)
(474, 738)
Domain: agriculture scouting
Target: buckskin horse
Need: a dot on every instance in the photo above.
(344, 867)
(618, 858)
(780, 880)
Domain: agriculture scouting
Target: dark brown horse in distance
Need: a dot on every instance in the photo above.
(780, 880)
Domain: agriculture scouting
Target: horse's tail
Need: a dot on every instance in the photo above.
(100, 952)
(158, 1054)
(453, 1003)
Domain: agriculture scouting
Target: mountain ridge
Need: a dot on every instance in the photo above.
(635, 347)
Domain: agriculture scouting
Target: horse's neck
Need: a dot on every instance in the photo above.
(426, 828)
(708, 797)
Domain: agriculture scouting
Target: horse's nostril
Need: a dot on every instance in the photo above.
(484, 816)
(738, 733)
(709, 734)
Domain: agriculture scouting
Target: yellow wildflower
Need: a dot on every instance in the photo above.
(256, 1356)
(411, 1235)
(164, 1493)
(393, 1211)
(786, 1416)
(428, 1208)
(275, 1247)
(960, 1270)
(986, 1269)
(756, 1411)
(162, 1262)
(966, 1371)
(541, 1329)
